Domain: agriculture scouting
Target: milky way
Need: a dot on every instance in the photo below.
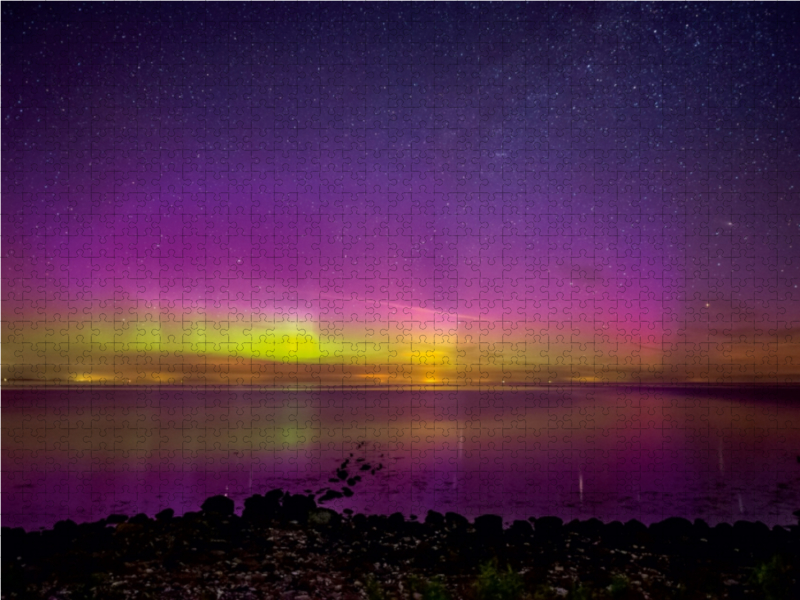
(380, 194)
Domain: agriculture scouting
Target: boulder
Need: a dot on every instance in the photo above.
(297, 507)
(396, 522)
(673, 531)
(519, 531)
(548, 527)
(489, 526)
(139, 519)
(116, 518)
(165, 515)
(434, 520)
(218, 505)
(260, 509)
(637, 532)
(360, 522)
(613, 534)
(455, 522)
(324, 518)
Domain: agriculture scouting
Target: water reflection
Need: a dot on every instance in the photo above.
(720, 454)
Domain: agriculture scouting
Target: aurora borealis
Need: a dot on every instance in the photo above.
(394, 194)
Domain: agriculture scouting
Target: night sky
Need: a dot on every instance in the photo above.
(469, 195)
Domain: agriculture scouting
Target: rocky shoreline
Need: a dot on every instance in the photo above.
(285, 546)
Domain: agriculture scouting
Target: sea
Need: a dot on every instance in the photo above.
(717, 453)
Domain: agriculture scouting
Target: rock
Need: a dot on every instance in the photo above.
(591, 528)
(116, 518)
(637, 532)
(416, 529)
(218, 505)
(378, 522)
(396, 522)
(455, 522)
(124, 529)
(489, 526)
(324, 517)
(165, 515)
(360, 521)
(701, 528)
(781, 537)
(672, 531)
(755, 536)
(434, 520)
(548, 527)
(12, 540)
(274, 495)
(614, 534)
(139, 519)
(65, 529)
(297, 507)
(258, 508)
(722, 538)
(331, 495)
(522, 527)
(519, 532)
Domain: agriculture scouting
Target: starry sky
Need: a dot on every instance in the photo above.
(395, 194)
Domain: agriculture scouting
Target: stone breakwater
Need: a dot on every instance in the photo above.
(285, 546)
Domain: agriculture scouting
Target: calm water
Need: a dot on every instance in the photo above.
(721, 454)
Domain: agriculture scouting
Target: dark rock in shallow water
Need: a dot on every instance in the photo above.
(330, 495)
(218, 505)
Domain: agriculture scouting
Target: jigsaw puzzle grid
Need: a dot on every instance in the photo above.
(436, 210)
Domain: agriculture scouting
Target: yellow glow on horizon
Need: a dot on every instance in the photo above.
(158, 349)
